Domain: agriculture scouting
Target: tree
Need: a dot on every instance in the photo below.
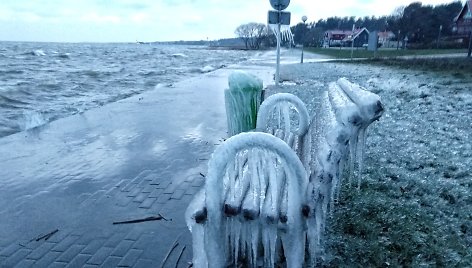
(421, 24)
(252, 34)
(299, 33)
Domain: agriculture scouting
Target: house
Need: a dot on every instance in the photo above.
(385, 39)
(333, 38)
(360, 37)
(342, 38)
(463, 21)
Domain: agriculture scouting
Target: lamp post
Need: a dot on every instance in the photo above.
(398, 40)
(439, 36)
(352, 40)
(469, 51)
(304, 18)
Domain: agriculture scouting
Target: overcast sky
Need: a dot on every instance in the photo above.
(161, 20)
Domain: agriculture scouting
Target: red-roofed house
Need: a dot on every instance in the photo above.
(464, 19)
(341, 38)
(334, 38)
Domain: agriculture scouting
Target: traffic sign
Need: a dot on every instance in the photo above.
(279, 4)
(276, 17)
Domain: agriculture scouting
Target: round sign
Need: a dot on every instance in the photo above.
(279, 4)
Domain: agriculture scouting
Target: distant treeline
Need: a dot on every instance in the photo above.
(422, 24)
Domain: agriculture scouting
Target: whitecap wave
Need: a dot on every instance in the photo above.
(179, 55)
(207, 69)
(38, 52)
(32, 119)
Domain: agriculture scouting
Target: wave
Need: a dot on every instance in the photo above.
(12, 71)
(37, 52)
(60, 84)
(32, 119)
(207, 69)
(63, 55)
(179, 55)
(8, 100)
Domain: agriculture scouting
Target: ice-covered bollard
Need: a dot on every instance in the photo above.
(242, 101)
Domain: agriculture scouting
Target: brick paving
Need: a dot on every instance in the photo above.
(131, 245)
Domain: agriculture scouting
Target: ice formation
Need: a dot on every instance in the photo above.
(285, 33)
(252, 192)
(370, 109)
(280, 105)
(257, 198)
(242, 101)
(348, 114)
(32, 119)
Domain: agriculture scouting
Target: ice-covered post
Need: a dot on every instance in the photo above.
(278, 18)
(242, 101)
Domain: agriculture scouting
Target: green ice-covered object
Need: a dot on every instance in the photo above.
(242, 101)
(239, 80)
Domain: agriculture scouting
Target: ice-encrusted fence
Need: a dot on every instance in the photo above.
(256, 206)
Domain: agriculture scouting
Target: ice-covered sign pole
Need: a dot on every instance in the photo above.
(278, 17)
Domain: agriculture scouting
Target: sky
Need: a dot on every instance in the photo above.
(162, 20)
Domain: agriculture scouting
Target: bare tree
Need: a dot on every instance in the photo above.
(252, 34)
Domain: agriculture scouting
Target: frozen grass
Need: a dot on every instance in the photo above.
(364, 53)
(459, 66)
(414, 208)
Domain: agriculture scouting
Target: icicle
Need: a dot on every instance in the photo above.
(240, 187)
(360, 153)
(254, 241)
(251, 202)
(236, 241)
(286, 115)
(342, 163)
(352, 157)
(269, 210)
(279, 116)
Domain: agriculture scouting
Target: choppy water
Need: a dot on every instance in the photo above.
(41, 82)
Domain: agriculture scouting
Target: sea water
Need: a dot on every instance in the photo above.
(41, 82)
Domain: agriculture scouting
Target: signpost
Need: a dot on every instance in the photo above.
(279, 4)
(279, 18)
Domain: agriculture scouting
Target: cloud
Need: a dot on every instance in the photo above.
(150, 20)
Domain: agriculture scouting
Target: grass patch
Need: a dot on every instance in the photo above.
(459, 67)
(383, 53)
(396, 233)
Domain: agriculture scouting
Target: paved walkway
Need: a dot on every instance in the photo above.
(64, 185)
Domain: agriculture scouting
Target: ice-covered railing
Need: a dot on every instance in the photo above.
(370, 109)
(287, 114)
(251, 206)
(245, 210)
(337, 133)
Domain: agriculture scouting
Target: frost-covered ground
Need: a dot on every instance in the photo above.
(414, 207)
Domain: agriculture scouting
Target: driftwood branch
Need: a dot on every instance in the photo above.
(174, 245)
(46, 236)
(158, 217)
(180, 256)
